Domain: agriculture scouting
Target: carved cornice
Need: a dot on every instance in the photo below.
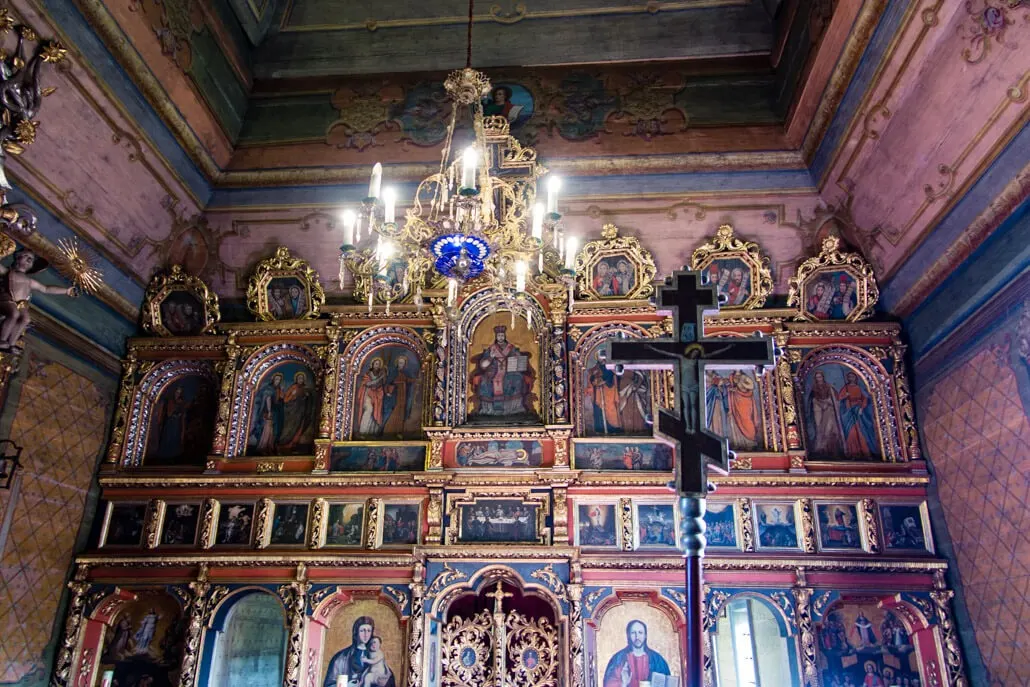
(252, 559)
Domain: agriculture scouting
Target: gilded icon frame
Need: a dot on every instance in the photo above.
(799, 536)
(376, 538)
(610, 246)
(737, 534)
(168, 507)
(105, 530)
(540, 501)
(283, 265)
(924, 523)
(616, 522)
(177, 280)
(320, 524)
(726, 246)
(644, 503)
(832, 259)
(265, 537)
(863, 533)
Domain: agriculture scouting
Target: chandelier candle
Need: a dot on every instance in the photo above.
(390, 205)
(553, 186)
(376, 184)
(468, 170)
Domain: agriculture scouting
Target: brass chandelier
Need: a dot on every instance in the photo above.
(475, 222)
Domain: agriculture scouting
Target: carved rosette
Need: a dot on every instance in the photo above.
(831, 259)
(726, 246)
(208, 523)
(747, 525)
(72, 623)
(949, 634)
(295, 599)
(807, 525)
(126, 391)
(228, 371)
(561, 515)
(867, 510)
(626, 522)
(806, 635)
(331, 363)
(416, 622)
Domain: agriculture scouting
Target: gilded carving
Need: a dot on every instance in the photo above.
(447, 576)
(415, 623)
(626, 522)
(152, 530)
(746, 524)
(228, 371)
(806, 635)
(318, 522)
(375, 508)
(165, 313)
(126, 391)
(331, 360)
(942, 597)
(561, 516)
(294, 597)
(208, 523)
(294, 273)
(550, 578)
(72, 624)
(785, 378)
(434, 515)
(863, 293)
(867, 509)
(807, 525)
(908, 412)
(266, 466)
(200, 598)
(263, 519)
(612, 249)
(576, 648)
(726, 256)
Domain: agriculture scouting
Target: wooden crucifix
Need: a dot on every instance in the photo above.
(687, 299)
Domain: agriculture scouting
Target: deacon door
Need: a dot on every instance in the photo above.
(499, 638)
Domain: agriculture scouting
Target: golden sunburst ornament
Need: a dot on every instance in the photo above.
(78, 266)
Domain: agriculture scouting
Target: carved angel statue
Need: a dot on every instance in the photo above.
(16, 287)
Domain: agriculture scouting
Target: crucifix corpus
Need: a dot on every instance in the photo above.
(687, 299)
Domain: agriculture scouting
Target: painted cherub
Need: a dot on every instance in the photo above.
(376, 662)
(16, 287)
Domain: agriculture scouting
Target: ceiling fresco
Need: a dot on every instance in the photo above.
(898, 125)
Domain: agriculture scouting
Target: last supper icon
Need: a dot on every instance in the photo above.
(502, 373)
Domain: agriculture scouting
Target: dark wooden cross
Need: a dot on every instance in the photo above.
(687, 299)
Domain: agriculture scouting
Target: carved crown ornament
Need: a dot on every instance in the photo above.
(615, 267)
(284, 287)
(727, 258)
(179, 304)
(834, 285)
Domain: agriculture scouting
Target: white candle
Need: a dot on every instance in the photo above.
(390, 205)
(350, 218)
(386, 251)
(538, 221)
(553, 186)
(377, 181)
(468, 168)
(520, 276)
(571, 246)
(452, 292)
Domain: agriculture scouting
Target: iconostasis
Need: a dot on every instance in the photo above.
(405, 494)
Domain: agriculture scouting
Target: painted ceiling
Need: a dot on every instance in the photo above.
(208, 132)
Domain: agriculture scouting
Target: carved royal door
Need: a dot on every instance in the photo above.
(504, 648)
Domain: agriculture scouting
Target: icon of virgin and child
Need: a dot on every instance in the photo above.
(501, 381)
(363, 662)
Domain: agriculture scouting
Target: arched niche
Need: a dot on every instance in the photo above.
(614, 631)
(847, 406)
(386, 374)
(753, 641)
(256, 382)
(245, 641)
(341, 628)
(601, 393)
(467, 618)
(479, 316)
(172, 416)
(865, 638)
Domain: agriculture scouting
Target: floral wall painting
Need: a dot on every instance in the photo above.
(364, 643)
(378, 457)
(388, 395)
(511, 101)
(733, 401)
(284, 413)
(622, 455)
(838, 526)
(638, 639)
(182, 422)
(839, 415)
(905, 527)
(180, 524)
(346, 524)
(235, 524)
(721, 525)
(143, 642)
(124, 524)
(776, 525)
(597, 525)
(504, 384)
(863, 644)
(289, 524)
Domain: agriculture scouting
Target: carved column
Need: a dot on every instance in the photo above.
(375, 514)
(909, 435)
(576, 654)
(626, 522)
(867, 509)
(72, 623)
(152, 529)
(318, 522)
(785, 379)
(295, 598)
(807, 526)
(747, 525)
(805, 630)
(201, 599)
(434, 515)
(208, 523)
(126, 389)
(331, 360)
(560, 515)
(263, 523)
(228, 370)
(416, 622)
(559, 359)
(439, 414)
(562, 437)
(942, 597)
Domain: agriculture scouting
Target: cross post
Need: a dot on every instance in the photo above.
(688, 353)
